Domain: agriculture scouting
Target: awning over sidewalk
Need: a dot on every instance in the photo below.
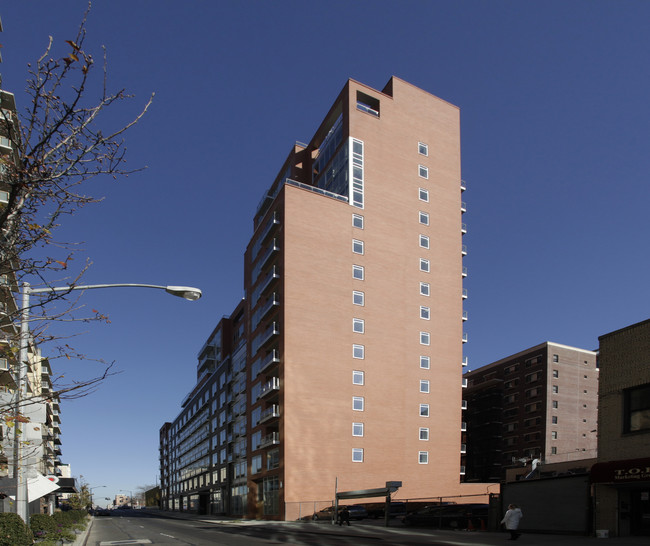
(625, 471)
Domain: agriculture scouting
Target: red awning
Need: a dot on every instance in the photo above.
(627, 471)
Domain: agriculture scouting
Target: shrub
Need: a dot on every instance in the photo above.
(14, 531)
(42, 525)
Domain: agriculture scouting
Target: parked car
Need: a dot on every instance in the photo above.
(356, 512)
(451, 516)
(376, 510)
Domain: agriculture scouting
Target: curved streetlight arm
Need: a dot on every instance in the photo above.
(187, 292)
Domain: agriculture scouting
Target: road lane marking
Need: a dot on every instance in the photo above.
(122, 542)
(168, 536)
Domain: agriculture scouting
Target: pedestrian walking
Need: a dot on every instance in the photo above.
(511, 521)
(344, 515)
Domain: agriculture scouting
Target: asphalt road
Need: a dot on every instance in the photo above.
(132, 527)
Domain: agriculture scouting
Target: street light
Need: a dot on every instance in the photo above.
(91, 494)
(186, 292)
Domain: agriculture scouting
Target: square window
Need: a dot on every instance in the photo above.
(357, 221)
(425, 313)
(424, 265)
(423, 171)
(424, 410)
(358, 351)
(424, 385)
(358, 325)
(357, 455)
(424, 289)
(423, 457)
(357, 429)
(424, 195)
(357, 377)
(425, 338)
(357, 246)
(357, 403)
(423, 149)
(425, 362)
(424, 433)
(424, 218)
(424, 241)
(358, 298)
(357, 272)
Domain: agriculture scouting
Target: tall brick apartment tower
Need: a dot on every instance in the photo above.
(354, 292)
(342, 365)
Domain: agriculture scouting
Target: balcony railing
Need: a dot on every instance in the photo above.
(269, 227)
(462, 470)
(269, 360)
(463, 405)
(273, 248)
(270, 387)
(464, 293)
(465, 361)
(463, 207)
(463, 229)
(272, 302)
(270, 440)
(270, 413)
(463, 427)
(464, 272)
(465, 337)
(463, 448)
(463, 185)
(464, 383)
(463, 250)
(464, 316)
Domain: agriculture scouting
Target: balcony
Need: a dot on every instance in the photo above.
(268, 280)
(464, 272)
(270, 360)
(463, 229)
(268, 334)
(463, 185)
(464, 383)
(463, 405)
(270, 387)
(270, 413)
(463, 250)
(464, 293)
(465, 361)
(463, 448)
(269, 227)
(272, 302)
(464, 337)
(272, 439)
(462, 470)
(463, 427)
(464, 316)
(463, 207)
(273, 248)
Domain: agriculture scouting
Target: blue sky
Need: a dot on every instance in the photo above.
(555, 123)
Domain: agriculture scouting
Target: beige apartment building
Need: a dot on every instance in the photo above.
(352, 322)
(540, 404)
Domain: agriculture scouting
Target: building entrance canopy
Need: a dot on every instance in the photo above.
(627, 471)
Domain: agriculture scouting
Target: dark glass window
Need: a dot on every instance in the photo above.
(637, 409)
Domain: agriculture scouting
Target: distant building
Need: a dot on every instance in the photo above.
(538, 405)
(621, 477)
(342, 365)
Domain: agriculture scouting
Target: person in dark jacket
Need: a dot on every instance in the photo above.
(344, 515)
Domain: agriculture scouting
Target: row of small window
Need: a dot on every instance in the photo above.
(358, 431)
(358, 402)
(359, 351)
(357, 456)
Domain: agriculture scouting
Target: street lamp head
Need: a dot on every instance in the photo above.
(187, 292)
